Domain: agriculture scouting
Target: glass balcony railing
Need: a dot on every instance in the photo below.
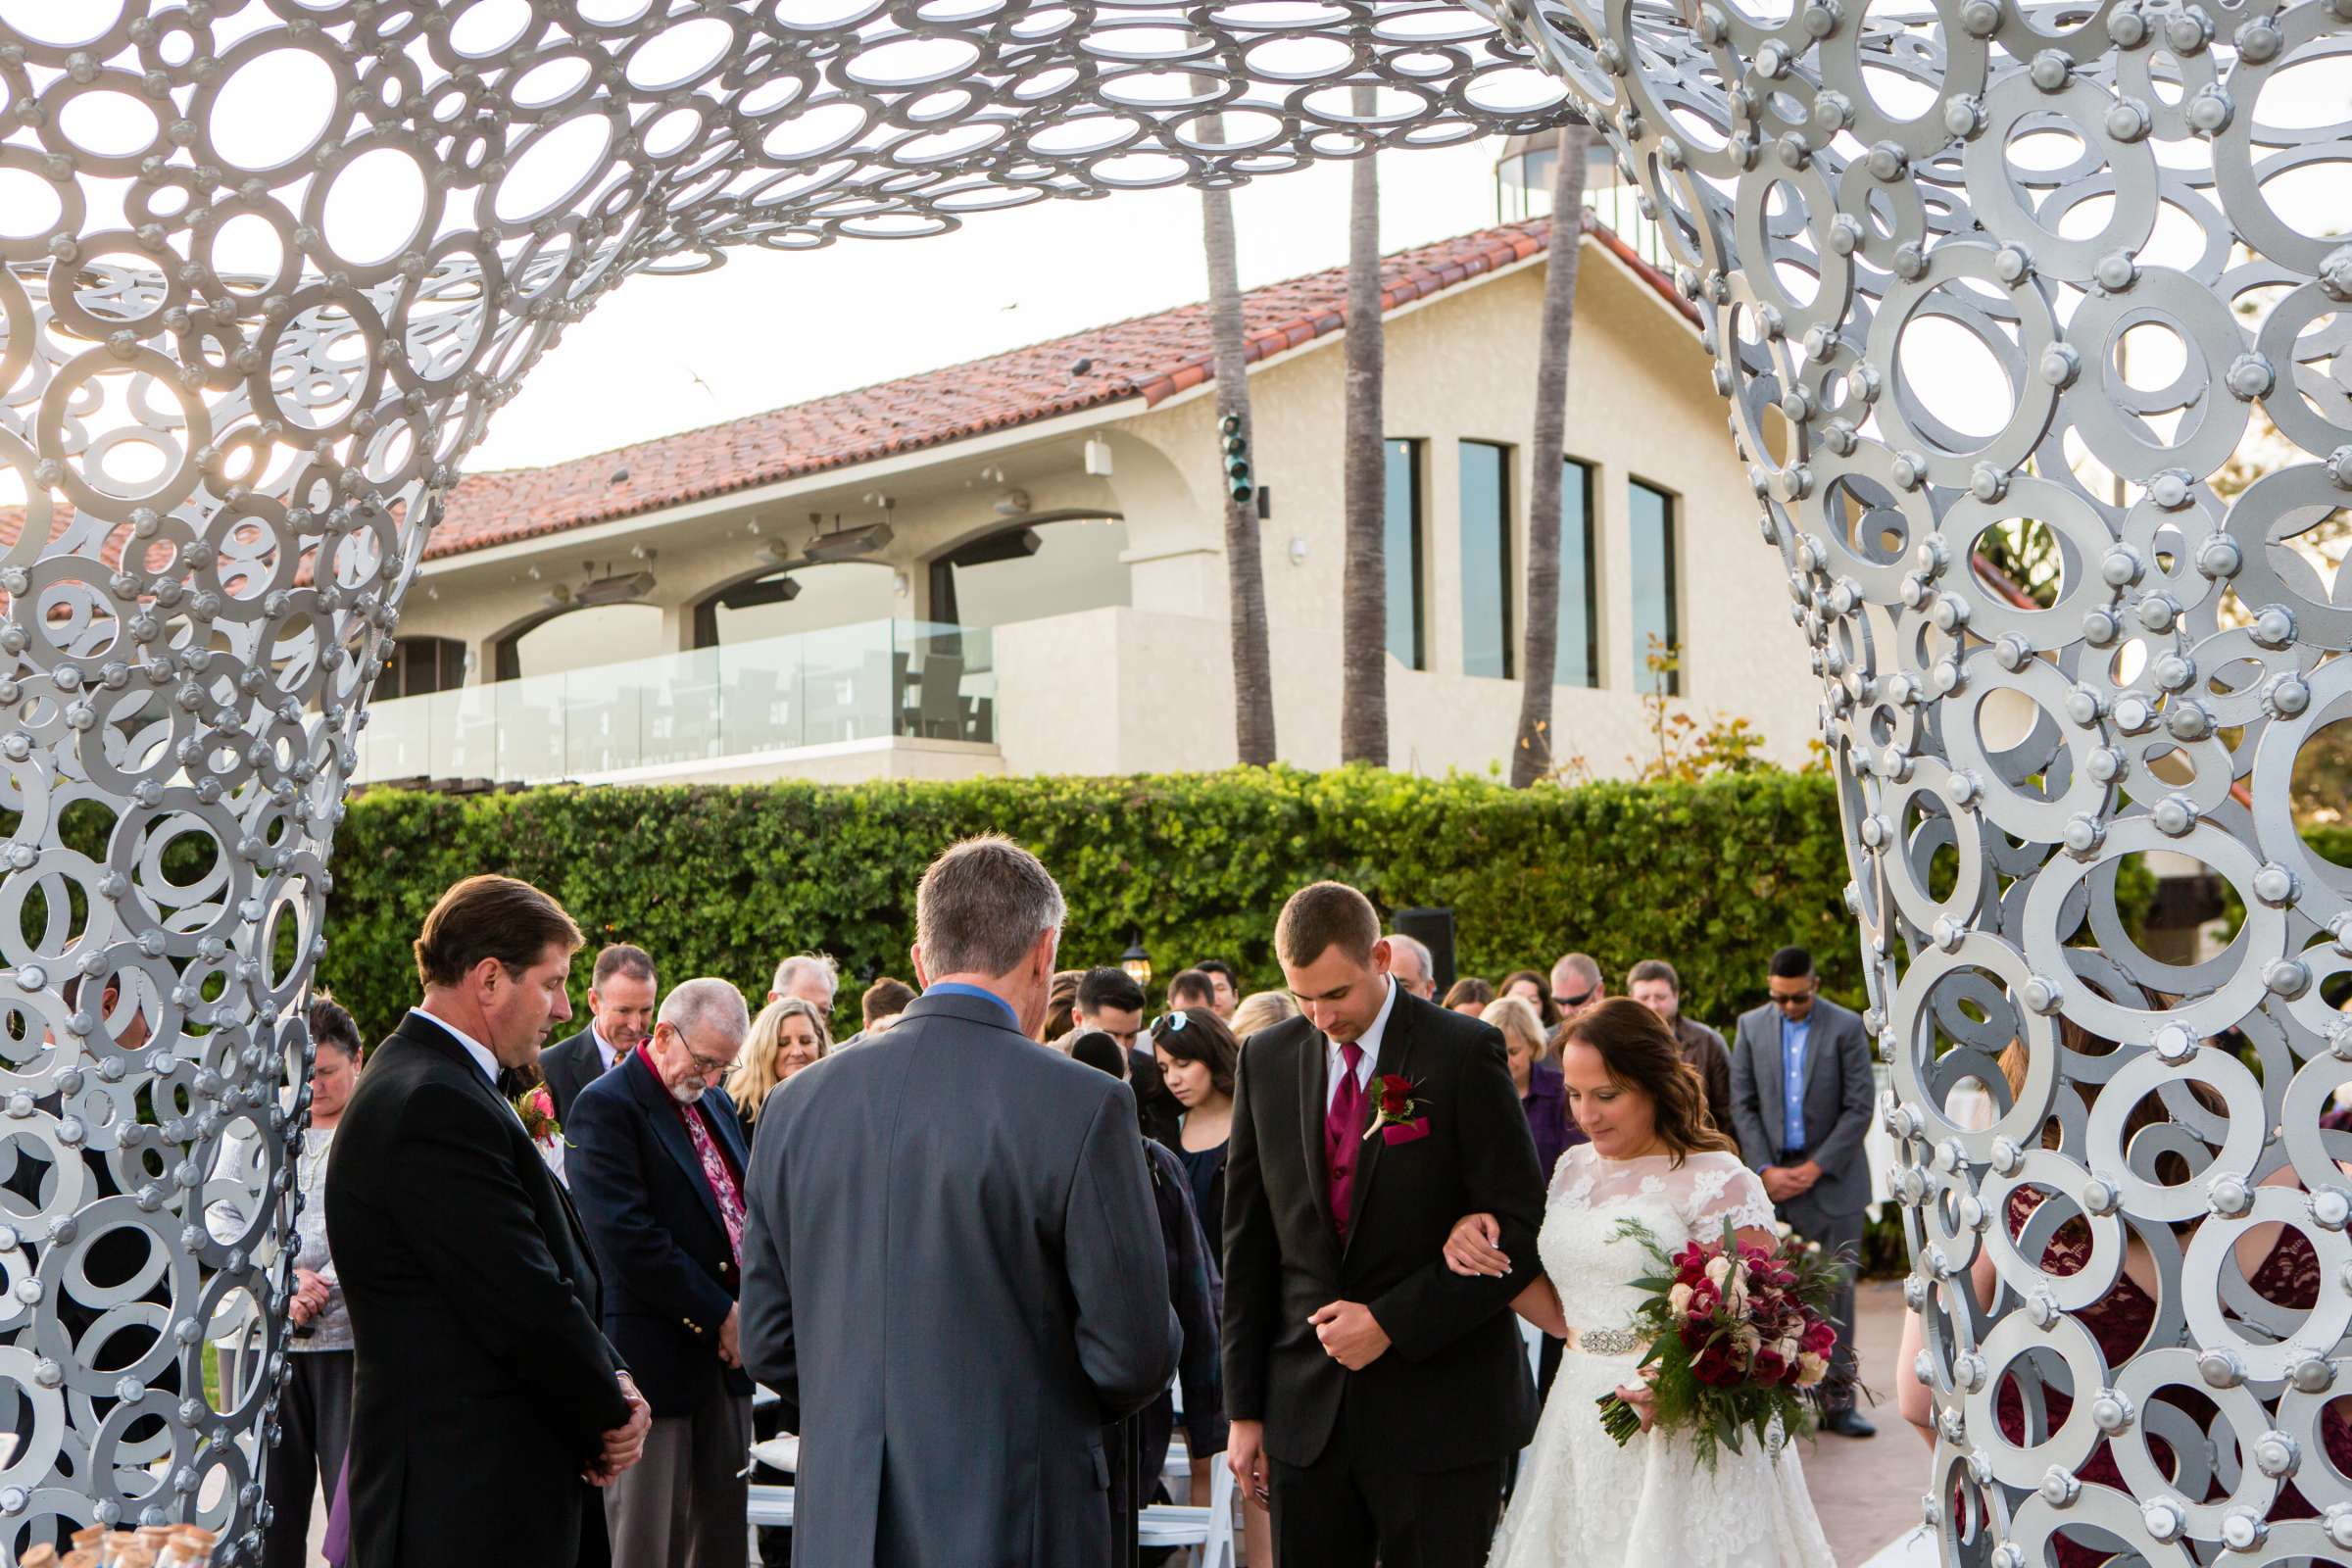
(868, 681)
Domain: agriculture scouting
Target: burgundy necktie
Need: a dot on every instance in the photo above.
(1343, 1133)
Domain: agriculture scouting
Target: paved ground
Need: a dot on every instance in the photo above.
(1867, 1492)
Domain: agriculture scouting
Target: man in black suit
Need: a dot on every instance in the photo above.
(657, 1162)
(1376, 1395)
(1109, 1000)
(620, 1009)
(953, 1276)
(486, 1403)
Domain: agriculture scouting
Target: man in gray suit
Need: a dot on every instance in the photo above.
(1801, 1101)
(952, 1270)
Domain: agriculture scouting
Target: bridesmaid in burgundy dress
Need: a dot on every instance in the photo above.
(2283, 1271)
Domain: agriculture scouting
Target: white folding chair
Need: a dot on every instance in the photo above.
(1208, 1531)
(772, 1506)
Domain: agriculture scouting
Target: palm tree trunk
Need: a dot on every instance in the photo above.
(1532, 756)
(1365, 583)
(1244, 571)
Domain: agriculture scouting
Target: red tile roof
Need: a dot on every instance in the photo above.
(1151, 358)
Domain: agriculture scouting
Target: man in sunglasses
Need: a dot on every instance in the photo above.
(1801, 1102)
(1576, 983)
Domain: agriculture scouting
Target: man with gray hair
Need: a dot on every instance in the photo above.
(951, 1224)
(657, 1162)
(813, 977)
(1411, 966)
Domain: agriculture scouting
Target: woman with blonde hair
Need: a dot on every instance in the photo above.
(1541, 1092)
(1258, 1011)
(788, 1035)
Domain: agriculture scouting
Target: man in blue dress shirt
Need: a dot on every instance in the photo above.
(1801, 1102)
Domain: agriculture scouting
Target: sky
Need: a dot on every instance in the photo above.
(660, 355)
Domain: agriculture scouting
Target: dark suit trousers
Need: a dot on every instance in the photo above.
(1341, 1513)
(314, 1430)
(1833, 1232)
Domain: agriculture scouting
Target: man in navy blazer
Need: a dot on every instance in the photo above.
(656, 1161)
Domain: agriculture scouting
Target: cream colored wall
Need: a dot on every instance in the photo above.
(1150, 687)
(1641, 405)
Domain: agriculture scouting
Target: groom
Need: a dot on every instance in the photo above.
(1376, 1395)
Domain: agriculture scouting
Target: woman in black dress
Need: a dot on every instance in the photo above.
(1198, 1054)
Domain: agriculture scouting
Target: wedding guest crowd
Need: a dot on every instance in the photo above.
(600, 1345)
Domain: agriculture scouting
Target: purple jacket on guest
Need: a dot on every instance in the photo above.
(1546, 1104)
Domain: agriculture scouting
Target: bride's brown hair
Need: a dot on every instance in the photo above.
(1640, 1053)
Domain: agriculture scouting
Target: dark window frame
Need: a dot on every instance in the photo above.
(1506, 530)
(1590, 558)
(1415, 566)
(1670, 506)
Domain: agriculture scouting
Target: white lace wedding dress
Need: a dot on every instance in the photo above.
(1583, 1502)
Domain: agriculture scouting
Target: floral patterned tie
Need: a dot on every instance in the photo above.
(722, 1180)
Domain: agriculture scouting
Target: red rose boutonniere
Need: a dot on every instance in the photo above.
(1394, 1104)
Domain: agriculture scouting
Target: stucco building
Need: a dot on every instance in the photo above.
(1018, 565)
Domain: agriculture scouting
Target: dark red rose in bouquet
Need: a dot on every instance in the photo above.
(1738, 1340)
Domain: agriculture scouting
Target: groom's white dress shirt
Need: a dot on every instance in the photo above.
(1370, 1043)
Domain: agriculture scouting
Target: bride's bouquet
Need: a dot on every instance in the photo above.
(1740, 1338)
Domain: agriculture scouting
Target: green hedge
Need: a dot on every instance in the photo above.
(727, 881)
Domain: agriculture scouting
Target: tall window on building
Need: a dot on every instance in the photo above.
(1485, 496)
(1577, 662)
(1407, 612)
(1650, 549)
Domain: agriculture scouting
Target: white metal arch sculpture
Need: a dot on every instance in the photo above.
(269, 267)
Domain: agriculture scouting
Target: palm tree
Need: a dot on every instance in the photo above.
(1364, 582)
(1244, 571)
(1531, 757)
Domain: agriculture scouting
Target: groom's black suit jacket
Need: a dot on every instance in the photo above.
(1453, 1387)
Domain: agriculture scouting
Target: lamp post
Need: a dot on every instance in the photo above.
(1137, 962)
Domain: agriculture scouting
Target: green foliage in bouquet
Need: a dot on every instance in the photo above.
(1739, 1342)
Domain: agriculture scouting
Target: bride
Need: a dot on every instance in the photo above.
(1582, 1502)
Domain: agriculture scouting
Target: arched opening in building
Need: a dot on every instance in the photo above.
(1037, 566)
(786, 600)
(574, 638)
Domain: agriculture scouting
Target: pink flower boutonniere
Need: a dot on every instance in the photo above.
(537, 1109)
(1394, 1104)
